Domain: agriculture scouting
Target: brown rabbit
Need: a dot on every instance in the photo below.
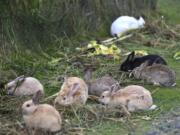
(74, 91)
(41, 116)
(133, 97)
(98, 86)
(156, 74)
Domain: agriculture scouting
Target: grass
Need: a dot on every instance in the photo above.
(45, 67)
(49, 63)
(170, 9)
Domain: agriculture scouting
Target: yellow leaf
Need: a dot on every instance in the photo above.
(138, 53)
(141, 52)
(177, 56)
(102, 49)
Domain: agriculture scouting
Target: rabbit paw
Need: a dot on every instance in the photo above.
(125, 111)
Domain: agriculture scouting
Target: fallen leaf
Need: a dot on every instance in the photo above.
(138, 53)
(177, 56)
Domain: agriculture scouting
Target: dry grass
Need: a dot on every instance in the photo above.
(75, 121)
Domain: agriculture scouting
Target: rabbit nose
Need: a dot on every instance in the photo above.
(101, 102)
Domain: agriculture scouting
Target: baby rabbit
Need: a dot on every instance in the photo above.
(41, 116)
(74, 91)
(98, 86)
(132, 62)
(133, 97)
(156, 74)
(24, 86)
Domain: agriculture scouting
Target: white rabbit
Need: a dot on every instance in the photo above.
(133, 97)
(41, 116)
(24, 86)
(74, 91)
(126, 23)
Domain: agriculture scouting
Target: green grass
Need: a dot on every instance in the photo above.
(170, 9)
(44, 66)
(165, 98)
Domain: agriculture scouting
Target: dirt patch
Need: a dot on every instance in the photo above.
(166, 124)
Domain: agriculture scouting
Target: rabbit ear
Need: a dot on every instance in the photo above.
(66, 79)
(131, 56)
(88, 75)
(143, 65)
(157, 60)
(114, 87)
(74, 89)
(146, 63)
(20, 79)
(36, 97)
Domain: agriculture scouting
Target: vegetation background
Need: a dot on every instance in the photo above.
(38, 38)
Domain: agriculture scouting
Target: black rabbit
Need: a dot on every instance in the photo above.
(131, 62)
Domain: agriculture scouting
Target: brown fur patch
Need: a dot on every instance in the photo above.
(77, 94)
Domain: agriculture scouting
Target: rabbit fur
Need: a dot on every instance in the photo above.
(24, 86)
(125, 23)
(74, 91)
(133, 97)
(156, 74)
(132, 62)
(98, 86)
(41, 116)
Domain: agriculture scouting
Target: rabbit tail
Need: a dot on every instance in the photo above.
(153, 107)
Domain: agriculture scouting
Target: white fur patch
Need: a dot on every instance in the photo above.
(153, 107)
(174, 85)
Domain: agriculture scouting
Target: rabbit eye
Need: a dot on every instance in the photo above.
(64, 98)
(28, 105)
(102, 96)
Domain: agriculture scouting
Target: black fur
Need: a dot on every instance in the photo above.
(132, 62)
